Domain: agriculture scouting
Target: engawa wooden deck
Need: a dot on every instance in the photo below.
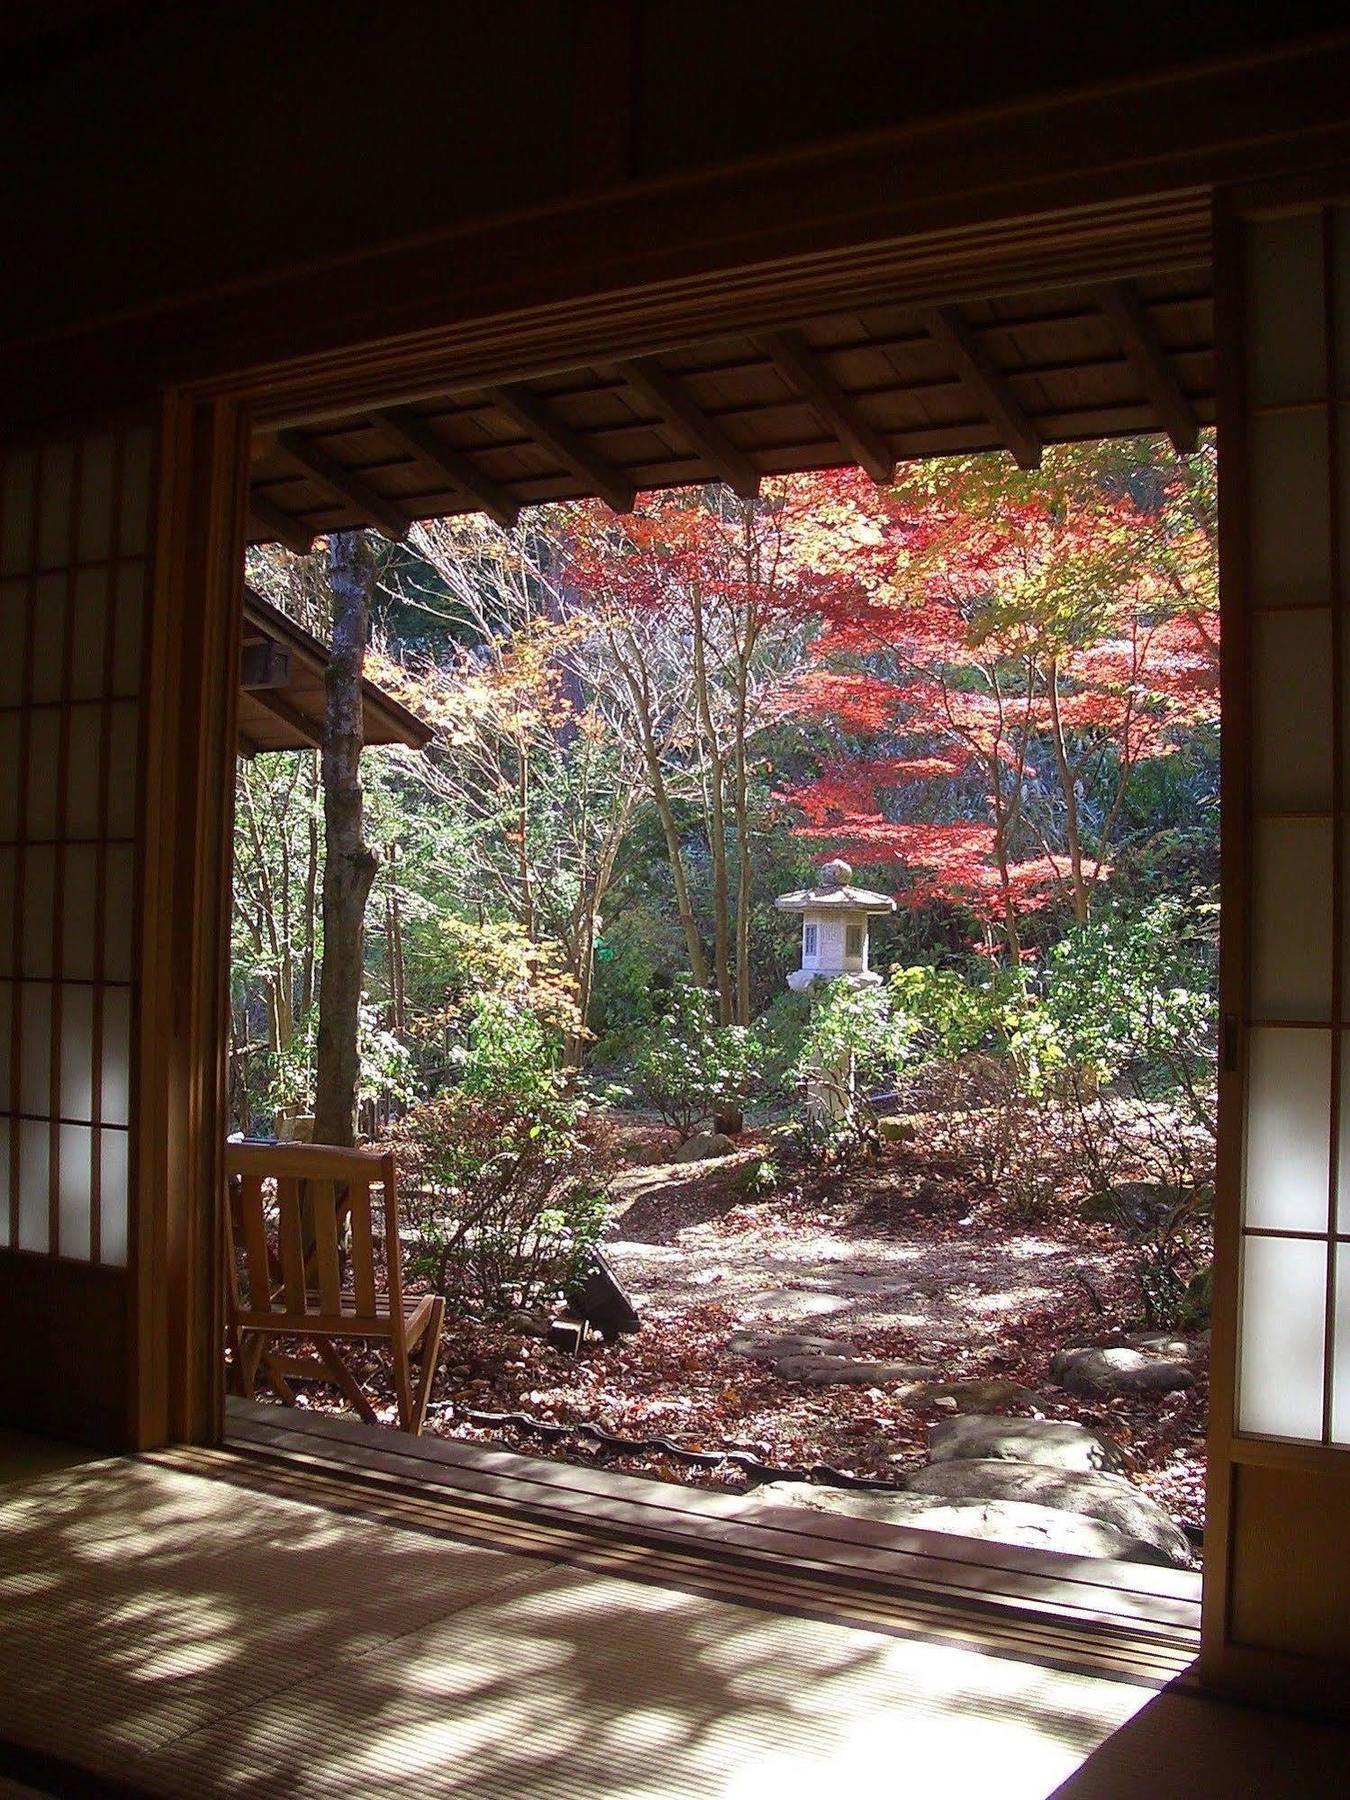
(1128, 1620)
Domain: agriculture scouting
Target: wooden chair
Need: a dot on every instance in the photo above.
(288, 1292)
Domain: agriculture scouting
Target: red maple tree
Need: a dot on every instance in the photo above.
(1010, 646)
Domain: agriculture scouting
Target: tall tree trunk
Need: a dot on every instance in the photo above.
(665, 812)
(311, 891)
(349, 863)
(715, 821)
(744, 872)
(398, 993)
(1069, 789)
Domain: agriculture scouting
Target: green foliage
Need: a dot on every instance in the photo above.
(1134, 989)
(760, 1178)
(512, 1054)
(945, 1014)
(781, 1028)
(1133, 994)
(855, 1026)
(387, 1068)
(853, 1040)
(690, 1068)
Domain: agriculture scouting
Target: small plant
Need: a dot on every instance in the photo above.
(691, 1069)
(760, 1178)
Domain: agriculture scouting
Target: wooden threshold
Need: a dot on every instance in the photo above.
(1130, 1621)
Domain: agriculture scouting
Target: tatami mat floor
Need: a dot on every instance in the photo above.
(184, 1636)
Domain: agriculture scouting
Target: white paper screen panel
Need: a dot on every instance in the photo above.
(1294, 1352)
(74, 529)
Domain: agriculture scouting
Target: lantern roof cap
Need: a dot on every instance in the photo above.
(836, 893)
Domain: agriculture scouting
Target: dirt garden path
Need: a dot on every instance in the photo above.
(907, 1260)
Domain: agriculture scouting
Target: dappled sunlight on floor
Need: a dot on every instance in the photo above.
(198, 1638)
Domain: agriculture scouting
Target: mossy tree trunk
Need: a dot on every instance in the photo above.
(349, 862)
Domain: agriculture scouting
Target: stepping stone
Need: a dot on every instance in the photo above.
(703, 1147)
(771, 1346)
(1169, 1345)
(1109, 1498)
(1048, 1443)
(1092, 1369)
(993, 1521)
(831, 1371)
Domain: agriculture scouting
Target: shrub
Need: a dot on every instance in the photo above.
(691, 1069)
(504, 1196)
(1133, 995)
(780, 1029)
(507, 1174)
(387, 1070)
(510, 1054)
(1171, 1268)
(852, 1041)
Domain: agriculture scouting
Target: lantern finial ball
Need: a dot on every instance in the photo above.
(836, 874)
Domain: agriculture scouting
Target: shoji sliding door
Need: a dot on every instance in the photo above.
(74, 516)
(120, 570)
(75, 521)
(1277, 1571)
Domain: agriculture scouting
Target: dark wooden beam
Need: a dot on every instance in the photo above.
(245, 746)
(346, 484)
(666, 395)
(308, 730)
(263, 664)
(1139, 340)
(798, 363)
(946, 327)
(534, 416)
(279, 527)
(411, 432)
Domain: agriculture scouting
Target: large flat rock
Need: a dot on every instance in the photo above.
(1093, 1369)
(1109, 1498)
(992, 1521)
(1048, 1443)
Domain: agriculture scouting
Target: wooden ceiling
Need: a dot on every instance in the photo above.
(872, 388)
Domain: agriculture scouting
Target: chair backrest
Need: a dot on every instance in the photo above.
(318, 1190)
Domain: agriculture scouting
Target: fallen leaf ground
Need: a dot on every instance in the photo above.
(908, 1258)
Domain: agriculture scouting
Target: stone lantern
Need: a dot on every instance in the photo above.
(835, 919)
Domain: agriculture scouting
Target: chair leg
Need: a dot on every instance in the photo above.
(344, 1379)
(431, 1344)
(270, 1364)
(252, 1346)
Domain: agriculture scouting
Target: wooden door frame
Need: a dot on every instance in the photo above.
(198, 599)
(202, 501)
(187, 800)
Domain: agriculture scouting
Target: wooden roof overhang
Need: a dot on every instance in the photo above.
(281, 689)
(872, 387)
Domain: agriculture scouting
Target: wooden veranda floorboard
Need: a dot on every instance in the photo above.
(1126, 1619)
(176, 1633)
